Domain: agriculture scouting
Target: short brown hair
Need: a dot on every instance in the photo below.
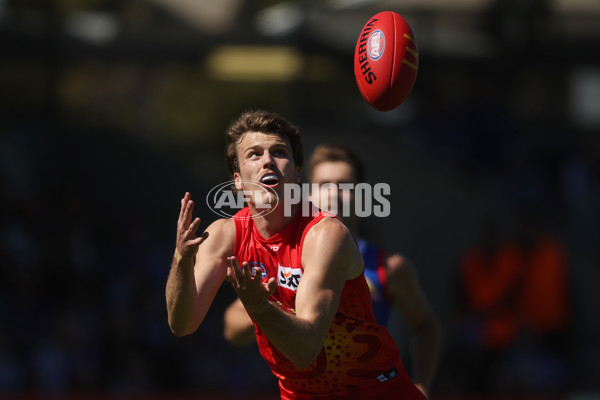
(261, 121)
(333, 152)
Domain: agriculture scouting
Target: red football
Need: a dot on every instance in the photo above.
(386, 61)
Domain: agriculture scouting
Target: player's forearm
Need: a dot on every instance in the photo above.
(298, 339)
(424, 349)
(181, 297)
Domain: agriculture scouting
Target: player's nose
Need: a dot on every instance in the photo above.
(268, 160)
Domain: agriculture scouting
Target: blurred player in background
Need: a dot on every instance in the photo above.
(300, 279)
(392, 280)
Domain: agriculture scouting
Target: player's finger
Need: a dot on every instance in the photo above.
(271, 285)
(187, 214)
(247, 272)
(241, 274)
(256, 275)
(198, 240)
(180, 218)
(203, 237)
(236, 268)
(184, 200)
(194, 225)
(232, 278)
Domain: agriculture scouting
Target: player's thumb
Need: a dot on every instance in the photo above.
(202, 237)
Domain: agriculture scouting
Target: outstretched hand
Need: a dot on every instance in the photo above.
(248, 285)
(187, 241)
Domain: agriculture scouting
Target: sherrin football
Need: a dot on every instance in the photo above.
(386, 61)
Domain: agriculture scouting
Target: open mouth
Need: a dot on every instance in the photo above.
(269, 180)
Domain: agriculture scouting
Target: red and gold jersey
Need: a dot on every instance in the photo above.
(359, 358)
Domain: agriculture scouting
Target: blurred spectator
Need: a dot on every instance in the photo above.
(512, 325)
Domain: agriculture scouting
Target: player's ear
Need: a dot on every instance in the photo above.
(238, 181)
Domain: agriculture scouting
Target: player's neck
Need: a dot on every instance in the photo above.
(273, 222)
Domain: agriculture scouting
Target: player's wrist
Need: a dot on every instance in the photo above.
(182, 261)
(259, 307)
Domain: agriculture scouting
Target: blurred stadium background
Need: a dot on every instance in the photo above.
(111, 110)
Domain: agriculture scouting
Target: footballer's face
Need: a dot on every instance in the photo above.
(265, 161)
(327, 181)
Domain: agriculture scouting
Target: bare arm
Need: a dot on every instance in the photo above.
(329, 257)
(238, 327)
(197, 270)
(410, 300)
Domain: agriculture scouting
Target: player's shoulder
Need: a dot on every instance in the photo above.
(328, 228)
(328, 234)
(221, 234)
(330, 238)
(222, 226)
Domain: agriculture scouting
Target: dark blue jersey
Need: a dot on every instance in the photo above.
(376, 276)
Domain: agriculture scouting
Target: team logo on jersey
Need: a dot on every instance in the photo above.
(376, 45)
(272, 248)
(258, 265)
(289, 278)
